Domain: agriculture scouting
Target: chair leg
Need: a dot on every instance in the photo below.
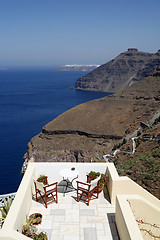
(77, 196)
(36, 196)
(88, 199)
(56, 197)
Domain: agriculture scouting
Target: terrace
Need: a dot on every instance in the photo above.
(112, 216)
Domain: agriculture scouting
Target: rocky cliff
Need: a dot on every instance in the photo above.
(90, 130)
(121, 72)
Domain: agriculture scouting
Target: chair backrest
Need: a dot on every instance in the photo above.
(94, 183)
(39, 186)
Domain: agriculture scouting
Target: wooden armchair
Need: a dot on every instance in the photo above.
(47, 194)
(86, 191)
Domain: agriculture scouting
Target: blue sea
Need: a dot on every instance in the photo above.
(29, 99)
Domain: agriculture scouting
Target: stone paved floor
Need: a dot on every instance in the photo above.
(72, 220)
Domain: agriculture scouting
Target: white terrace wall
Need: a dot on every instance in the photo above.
(120, 189)
(19, 209)
(124, 185)
(130, 208)
(125, 221)
(52, 169)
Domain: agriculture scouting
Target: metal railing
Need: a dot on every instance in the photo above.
(2, 198)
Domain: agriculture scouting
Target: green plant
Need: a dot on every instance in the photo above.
(5, 209)
(94, 175)
(30, 230)
(103, 179)
(37, 217)
(43, 179)
(41, 236)
(115, 160)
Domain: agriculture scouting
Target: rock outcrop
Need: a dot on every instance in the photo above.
(90, 130)
(123, 71)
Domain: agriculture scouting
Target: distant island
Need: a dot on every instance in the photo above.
(75, 67)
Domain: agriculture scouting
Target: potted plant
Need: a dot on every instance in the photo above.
(93, 175)
(37, 217)
(41, 236)
(43, 179)
(102, 181)
(30, 230)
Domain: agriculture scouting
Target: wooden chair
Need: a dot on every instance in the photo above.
(47, 194)
(86, 191)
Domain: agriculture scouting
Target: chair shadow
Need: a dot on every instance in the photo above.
(83, 201)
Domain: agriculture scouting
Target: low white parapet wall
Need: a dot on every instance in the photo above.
(134, 210)
(125, 221)
(124, 185)
(120, 189)
(52, 170)
(16, 217)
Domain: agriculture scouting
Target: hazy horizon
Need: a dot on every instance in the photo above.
(54, 33)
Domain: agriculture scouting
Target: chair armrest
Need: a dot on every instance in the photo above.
(50, 185)
(82, 186)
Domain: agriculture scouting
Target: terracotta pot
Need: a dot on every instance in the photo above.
(101, 187)
(45, 180)
(37, 217)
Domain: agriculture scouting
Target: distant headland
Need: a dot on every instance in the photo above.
(121, 72)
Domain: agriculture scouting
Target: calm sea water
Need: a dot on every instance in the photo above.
(29, 99)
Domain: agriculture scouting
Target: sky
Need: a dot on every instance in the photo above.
(58, 32)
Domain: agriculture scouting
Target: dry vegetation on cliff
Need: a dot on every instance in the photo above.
(144, 165)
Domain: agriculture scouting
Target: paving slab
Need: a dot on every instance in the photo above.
(90, 234)
(72, 220)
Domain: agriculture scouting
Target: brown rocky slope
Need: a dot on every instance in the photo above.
(89, 130)
(121, 72)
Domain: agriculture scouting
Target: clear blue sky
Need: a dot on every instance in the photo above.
(55, 32)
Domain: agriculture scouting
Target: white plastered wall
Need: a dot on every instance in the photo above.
(123, 185)
(16, 217)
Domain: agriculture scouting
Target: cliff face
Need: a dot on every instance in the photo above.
(90, 130)
(121, 72)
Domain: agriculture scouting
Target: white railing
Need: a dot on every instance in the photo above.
(7, 197)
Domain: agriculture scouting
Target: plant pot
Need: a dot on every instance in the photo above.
(101, 187)
(43, 179)
(37, 217)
